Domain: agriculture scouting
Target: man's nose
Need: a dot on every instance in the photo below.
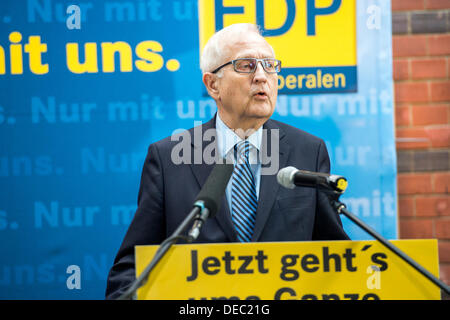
(260, 73)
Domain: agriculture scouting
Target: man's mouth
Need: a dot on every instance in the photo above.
(260, 94)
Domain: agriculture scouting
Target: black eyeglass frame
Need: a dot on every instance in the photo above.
(263, 61)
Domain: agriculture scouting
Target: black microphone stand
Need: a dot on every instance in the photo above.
(206, 205)
(195, 214)
(333, 196)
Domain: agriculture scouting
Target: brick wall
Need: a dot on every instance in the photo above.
(421, 63)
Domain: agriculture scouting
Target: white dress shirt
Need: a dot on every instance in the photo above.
(226, 140)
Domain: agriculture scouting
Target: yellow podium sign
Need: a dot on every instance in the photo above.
(345, 270)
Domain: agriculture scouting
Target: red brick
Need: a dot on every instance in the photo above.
(448, 67)
(432, 206)
(414, 183)
(412, 92)
(401, 69)
(439, 136)
(439, 44)
(430, 114)
(444, 273)
(444, 250)
(440, 91)
(429, 68)
(404, 5)
(409, 46)
(416, 228)
(442, 182)
(419, 134)
(443, 206)
(402, 115)
(442, 228)
(437, 4)
(406, 206)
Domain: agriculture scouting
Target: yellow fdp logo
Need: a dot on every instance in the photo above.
(314, 39)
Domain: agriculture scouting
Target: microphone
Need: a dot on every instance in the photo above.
(210, 196)
(206, 205)
(290, 177)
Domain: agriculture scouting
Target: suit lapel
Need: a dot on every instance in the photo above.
(269, 185)
(202, 171)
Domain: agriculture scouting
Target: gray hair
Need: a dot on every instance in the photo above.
(215, 51)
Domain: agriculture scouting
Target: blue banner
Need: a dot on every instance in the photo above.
(317, 80)
(86, 87)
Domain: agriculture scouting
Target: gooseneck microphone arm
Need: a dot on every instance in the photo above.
(163, 248)
(206, 206)
(333, 187)
(341, 209)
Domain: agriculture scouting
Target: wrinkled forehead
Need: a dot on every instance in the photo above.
(248, 46)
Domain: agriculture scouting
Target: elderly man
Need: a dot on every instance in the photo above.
(240, 73)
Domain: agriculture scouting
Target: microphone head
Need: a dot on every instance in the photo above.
(339, 183)
(285, 177)
(214, 188)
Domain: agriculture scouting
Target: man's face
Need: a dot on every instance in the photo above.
(247, 99)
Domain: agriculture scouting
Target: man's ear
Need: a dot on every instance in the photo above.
(211, 83)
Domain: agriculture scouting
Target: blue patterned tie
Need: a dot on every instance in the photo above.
(243, 194)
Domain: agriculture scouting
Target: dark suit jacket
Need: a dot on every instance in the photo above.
(167, 193)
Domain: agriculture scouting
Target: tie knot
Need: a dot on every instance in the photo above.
(242, 148)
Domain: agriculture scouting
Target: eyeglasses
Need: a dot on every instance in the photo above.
(248, 65)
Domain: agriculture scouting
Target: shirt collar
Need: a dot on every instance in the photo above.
(226, 138)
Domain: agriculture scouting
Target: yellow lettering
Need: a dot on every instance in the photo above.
(311, 81)
(339, 77)
(2, 61)
(35, 48)
(300, 80)
(291, 81)
(15, 51)
(125, 56)
(150, 61)
(280, 82)
(90, 58)
(319, 78)
(327, 80)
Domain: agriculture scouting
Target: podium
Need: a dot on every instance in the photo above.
(317, 270)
